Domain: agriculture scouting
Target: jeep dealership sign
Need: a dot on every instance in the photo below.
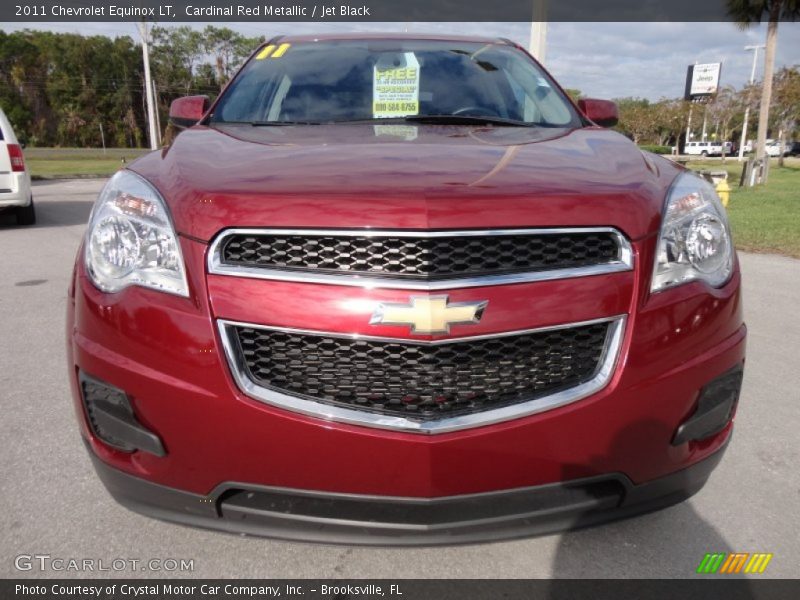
(702, 80)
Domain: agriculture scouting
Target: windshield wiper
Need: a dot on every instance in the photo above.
(282, 123)
(441, 120)
(424, 119)
(467, 119)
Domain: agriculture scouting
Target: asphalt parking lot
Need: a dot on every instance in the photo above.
(53, 504)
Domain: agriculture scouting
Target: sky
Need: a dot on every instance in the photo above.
(603, 60)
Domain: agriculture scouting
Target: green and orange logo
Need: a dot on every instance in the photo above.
(735, 562)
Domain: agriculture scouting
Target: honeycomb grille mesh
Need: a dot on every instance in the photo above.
(424, 258)
(421, 381)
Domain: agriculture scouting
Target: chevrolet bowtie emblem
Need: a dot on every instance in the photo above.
(428, 314)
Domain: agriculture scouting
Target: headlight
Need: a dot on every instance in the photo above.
(131, 241)
(695, 239)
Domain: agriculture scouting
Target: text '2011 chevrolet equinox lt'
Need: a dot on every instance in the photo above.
(401, 290)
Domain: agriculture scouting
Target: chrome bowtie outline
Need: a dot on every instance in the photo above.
(429, 314)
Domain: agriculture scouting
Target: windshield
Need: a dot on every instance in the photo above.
(354, 80)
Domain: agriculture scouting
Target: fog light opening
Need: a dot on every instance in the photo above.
(112, 420)
(715, 407)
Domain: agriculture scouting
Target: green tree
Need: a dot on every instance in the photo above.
(670, 119)
(722, 111)
(61, 88)
(228, 48)
(786, 104)
(20, 77)
(637, 119)
(748, 12)
(175, 53)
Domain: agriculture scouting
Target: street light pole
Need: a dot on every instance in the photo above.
(539, 30)
(747, 108)
(148, 87)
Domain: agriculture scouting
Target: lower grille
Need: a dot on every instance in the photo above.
(421, 381)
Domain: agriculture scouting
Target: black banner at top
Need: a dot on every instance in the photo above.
(166, 11)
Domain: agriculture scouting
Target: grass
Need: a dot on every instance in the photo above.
(764, 218)
(66, 163)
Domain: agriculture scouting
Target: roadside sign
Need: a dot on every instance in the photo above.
(702, 80)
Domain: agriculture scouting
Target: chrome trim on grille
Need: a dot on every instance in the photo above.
(215, 265)
(607, 362)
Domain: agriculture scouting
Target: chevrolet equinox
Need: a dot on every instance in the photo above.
(402, 290)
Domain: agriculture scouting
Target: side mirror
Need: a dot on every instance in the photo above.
(602, 112)
(187, 111)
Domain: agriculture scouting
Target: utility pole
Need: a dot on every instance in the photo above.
(158, 115)
(747, 108)
(148, 86)
(538, 47)
(705, 122)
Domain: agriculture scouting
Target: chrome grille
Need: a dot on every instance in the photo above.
(420, 257)
(417, 380)
(419, 260)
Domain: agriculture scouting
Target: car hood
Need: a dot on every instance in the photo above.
(407, 177)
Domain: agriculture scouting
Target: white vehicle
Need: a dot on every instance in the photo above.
(774, 148)
(707, 148)
(702, 149)
(15, 181)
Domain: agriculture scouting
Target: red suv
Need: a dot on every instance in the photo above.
(402, 290)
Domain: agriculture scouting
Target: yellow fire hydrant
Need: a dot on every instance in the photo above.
(724, 192)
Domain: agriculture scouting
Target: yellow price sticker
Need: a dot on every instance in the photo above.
(271, 52)
(265, 52)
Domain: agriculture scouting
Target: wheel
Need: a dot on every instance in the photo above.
(704, 153)
(26, 215)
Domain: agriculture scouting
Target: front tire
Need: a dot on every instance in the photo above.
(704, 154)
(26, 215)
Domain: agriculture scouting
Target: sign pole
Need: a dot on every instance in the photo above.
(705, 122)
(689, 126)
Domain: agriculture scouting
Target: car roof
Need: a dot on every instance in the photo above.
(388, 36)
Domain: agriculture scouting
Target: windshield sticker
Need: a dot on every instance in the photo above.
(265, 52)
(395, 88)
(281, 50)
(268, 51)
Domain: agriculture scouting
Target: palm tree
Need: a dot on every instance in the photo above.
(747, 12)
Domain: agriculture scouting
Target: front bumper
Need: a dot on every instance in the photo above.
(374, 520)
(165, 352)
